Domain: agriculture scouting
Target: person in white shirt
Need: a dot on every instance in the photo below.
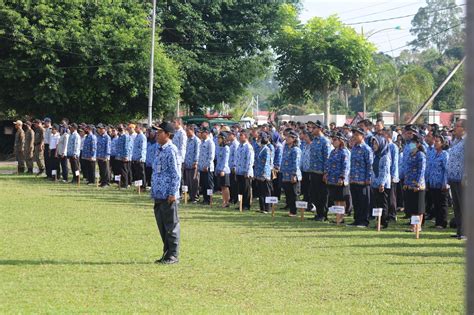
(61, 152)
(46, 153)
(53, 144)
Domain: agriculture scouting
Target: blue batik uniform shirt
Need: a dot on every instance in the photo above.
(244, 160)
(278, 155)
(263, 169)
(456, 162)
(437, 167)
(151, 148)
(305, 157)
(74, 145)
(415, 170)
(233, 149)
(320, 149)
(361, 164)
(123, 146)
(223, 160)
(179, 140)
(338, 166)
(113, 146)
(207, 153)
(103, 146)
(89, 149)
(290, 164)
(166, 176)
(394, 155)
(192, 152)
(139, 148)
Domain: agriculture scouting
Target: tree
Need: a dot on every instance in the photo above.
(223, 46)
(438, 25)
(320, 56)
(84, 60)
(402, 88)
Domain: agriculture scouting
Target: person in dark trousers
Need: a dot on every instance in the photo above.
(291, 172)
(103, 155)
(263, 171)
(437, 181)
(53, 157)
(150, 155)
(306, 138)
(207, 153)
(73, 153)
(47, 151)
(244, 169)
(190, 164)
(139, 156)
(165, 183)
(89, 151)
(381, 179)
(233, 145)
(123, 152)
(61, 152)
(456, 175)
(276, 174)
(392, 192)
(360, 178)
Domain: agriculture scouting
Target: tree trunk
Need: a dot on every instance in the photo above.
(327, 106)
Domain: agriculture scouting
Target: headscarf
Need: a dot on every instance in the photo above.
(381, 152)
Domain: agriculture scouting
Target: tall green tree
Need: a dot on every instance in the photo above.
(222, 46)
(320, 56)
(86, 60)
(438, 24)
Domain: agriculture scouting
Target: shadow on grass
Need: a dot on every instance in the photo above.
(16, 262)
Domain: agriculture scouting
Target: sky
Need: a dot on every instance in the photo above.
(387, 39)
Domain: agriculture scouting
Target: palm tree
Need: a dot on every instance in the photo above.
(399, 85)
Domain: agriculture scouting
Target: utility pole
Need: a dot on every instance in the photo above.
(152, 65)
(468, 215)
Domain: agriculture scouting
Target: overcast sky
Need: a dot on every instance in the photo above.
(356, 11)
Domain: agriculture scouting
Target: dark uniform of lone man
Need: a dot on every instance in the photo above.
(165, 192)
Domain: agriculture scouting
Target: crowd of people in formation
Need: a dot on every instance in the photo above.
(417, 169)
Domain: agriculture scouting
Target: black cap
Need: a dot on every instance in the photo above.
(205, 129)
(339, 135)
(417, 137)
(166, 127)
(100, 126)
(223, 134)
(319, 124)
(411, 128)
(358, 130)
(293, 134)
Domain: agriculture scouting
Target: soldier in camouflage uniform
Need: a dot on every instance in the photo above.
(39, 145)
(18, 147)
(29, 146)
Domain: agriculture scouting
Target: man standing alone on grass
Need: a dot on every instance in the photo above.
(19, 147)
(165, 183)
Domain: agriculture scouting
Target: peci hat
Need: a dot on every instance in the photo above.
(166, 127)
(293, 134)
(358, 130)
(319, 124)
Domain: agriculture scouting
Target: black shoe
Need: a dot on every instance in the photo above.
(455, 236)
(320, 219)
(170, 260)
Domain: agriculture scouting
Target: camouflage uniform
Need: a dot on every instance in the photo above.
(18, 149)
(39, 148)
(29, 148)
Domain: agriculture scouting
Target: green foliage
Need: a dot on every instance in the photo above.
(83, 60)
(438, 24)
(223, 46)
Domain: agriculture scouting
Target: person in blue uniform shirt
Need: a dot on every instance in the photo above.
(276, 174)
(244, 158)
(407, 136)
(139, 156)
(336, 174)
(290, 170)
(207, 153)
(191, 158)
(165, 184)
(430, 150)
(150, 154)
(73, 152)
(103, 155)
(360, 178)
(437, 181)
(320, 150)
(381, 179)
(233, 145)
(414, 184)
(222, 168)
(89, 152)
(392, 192)
(122, 157)
(263, 171)
(115, 169)
(456, 178)
(306, 139)
(180, 141)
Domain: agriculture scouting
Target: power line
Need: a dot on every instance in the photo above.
(375, 13)
(364, 8)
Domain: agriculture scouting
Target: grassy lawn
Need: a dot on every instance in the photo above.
(66, 249)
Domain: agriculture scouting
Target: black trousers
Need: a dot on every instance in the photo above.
(47, 160)
(264, 189)
(90, 175)
(439, 198)
(64, 168)
(244, 188)
(54, 164)
(400, 198)
(234, 191)
(277, 186)
(115, 166)
(74, 168)
(319, 195)
(129, 173)
(123, 172)
(290, 193)
(138, 171)
(104, 171)
(381, 200)
(206, 181)
(392, 201)
(429, 210)
(360, 201)
(457, 193)
(82, 167)
(191, 179)
(167, 220)
(306, 188)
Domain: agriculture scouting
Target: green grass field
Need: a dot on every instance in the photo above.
(83, 250)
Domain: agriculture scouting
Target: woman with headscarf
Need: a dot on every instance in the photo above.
(381, 179)
(414, 183)
(222, 168)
